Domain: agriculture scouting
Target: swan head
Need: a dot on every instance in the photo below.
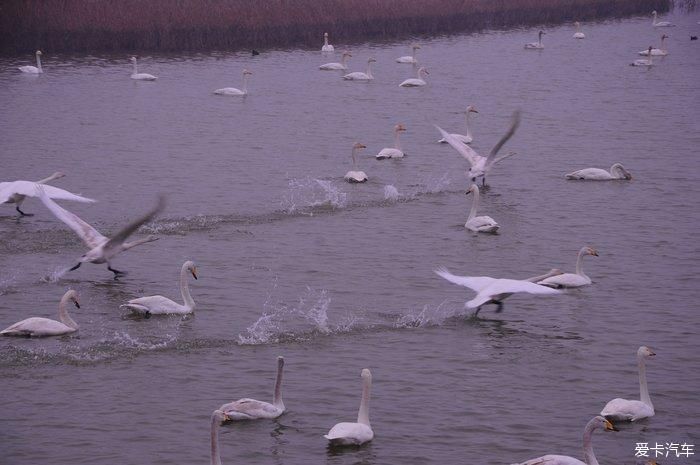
(73, 296)
(366, 375)
(58, 175)
(664, 37)
(371, 60)
(473, 188)
(219, 416)
(618, 170)
(415, 47)
(644, 352)
(471, 109)
(247, 72)
(423, 69)
(358, 146)
(653, 13)
(604, 424)
(541, 33)
(347, 54)
(190, 266)
(38, 52)
(400, 128)
(280, 362)
(325, 34)
(590, 251)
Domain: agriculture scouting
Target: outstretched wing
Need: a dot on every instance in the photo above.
(511, 286)
(491, 159)
(90, 236)
(475, 283)
(467, 152)
(28, 188)
(118, 239)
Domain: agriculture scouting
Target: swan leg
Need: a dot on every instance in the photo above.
(500, 306)
(22, 213)
(76, 266)
(476, 313)
(117, 273)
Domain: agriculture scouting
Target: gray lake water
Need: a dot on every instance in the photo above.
(336, 277)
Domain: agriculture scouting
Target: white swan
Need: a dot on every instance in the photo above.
(588, 455)
(348, 434)
(396, 151)
(159, 305)
(17, 191)
(102, 249)
(410, 59)
(632, 410)
(494, 290)
(251, 409)
(232, 90)
(468, 138)
(141, 76)
(33, 69)
(657, 52)
(418, 81)
(577, 279)
(644, 61)
(484, 224)
(41, 327)
(617, 171)
(356, 175)
(578, 34)
(536, 45)
(656, 23)
(217, 418)
(337, 66)
(359, 76)
(479, 165)
(326, 46)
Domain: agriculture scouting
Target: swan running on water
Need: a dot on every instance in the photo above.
(159, 305)
(232, 90)
(337, 66)
(396, 151)
(17, 191)
(356, 175)
(217, 418)
(349, 434)
(326, 46)
(102, 249)
(588, 455)
(657, 52)
(617, 171)
(33, 69)
(578, 34)
(251, 409)
(141, 76)
(359, 76)
(536, 45)
(484, 224)
(479, 165)
(418, 81)
(464, 139)
(632, 410)
(644, 61)
(660, 23)
(577, 279)
(410, 59)
(42, 327)
(494, 290)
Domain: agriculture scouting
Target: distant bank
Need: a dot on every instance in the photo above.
(91, 26)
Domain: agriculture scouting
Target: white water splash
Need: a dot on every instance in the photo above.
(431, 316)
(310, 193)
(124, 339)
(391, 193)
(55, 275)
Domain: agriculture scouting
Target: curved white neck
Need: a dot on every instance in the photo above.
(539, 40)
(38, 62)
(643, 389)
(63, 313)
(325, 40)
(354, 157)
(475, 204)
(136, 71)
(363, 414)
(579, 262)
(663, 45)
(215, 454)
(397, 143)
(588, 455)
(245, 84)
(344, 59)
(414, 54)
(49, 179)
(654, 20)
(277, 396)
(578, 28)
(185, 288)
(469, 132)
(369, 69)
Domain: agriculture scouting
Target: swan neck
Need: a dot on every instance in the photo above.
(397, 142)
(185, 288)
(469, 132)
(643, 389)
(63, 312)
(363, 414)
(215, 454)
(354, 158)
(344, 60)
(369, 69)
(579, 263)
(475, 204)
(245, 84)
(38, 62)
(277, 396)
(49, 179)
(325, 40)
(136, 71)
(588, 455)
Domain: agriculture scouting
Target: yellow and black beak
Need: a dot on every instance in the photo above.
(76, 304)
(609, 426)
(194, 273)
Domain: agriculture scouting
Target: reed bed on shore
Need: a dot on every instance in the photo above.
(176, 25)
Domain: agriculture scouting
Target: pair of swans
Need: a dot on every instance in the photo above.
(360, 432)
(17, 191)
(140, 76)
(355, 175)
(326, 46)
(359, 76)
(393, 152)
(657, 52)
(417, 81)
(656, 23)
(633, 410)
(102, 249)
(410, 59)
(42, 327)
(578, 34)
(33, 69)
(617, 171)
(577, 279)
(462, 138)
(159, 305)
(644, 61)
(480, 165)
(234, 91)
(342, 66)
(536, 45)
(483, 224)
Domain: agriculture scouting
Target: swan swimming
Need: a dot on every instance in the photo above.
(494, 290)
(484, 224)
(657, 52)
(660, 23)
(418, 81)
(644, 61)
(633, 410)
(42, 327)
(232, 90)
(411, 59)
(359, 76)
(337, 66)
(349, 434)
(396, 151)
(356, 175)
(468, 138)
(159, 305)
(141, 76)
(536, 45)
(617, 171)
(326, 46)
(33, 69)
(102, 249)
(578, 34)
(17, 191)
(588, 455)
(217, 418)
(577, 279)
(479, 165)
(251, 409)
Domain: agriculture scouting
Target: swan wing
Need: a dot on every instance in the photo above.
(28, 188)
(118, 239)
(565, 280)
(350, 433)
(475, 283)
(511, 286)
(36, 326)
(491, 159)
(467, 152)
(155, 304)
(626, 410)
(596, 174)
(90, 236)
(250, 409)
(553, 460)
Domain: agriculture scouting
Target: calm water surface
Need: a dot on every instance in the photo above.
(338, 277)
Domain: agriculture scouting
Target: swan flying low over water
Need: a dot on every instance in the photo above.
(355, 434)
(17, 191)
(468, 138)
(326, 46)
(617, 171)
(577, 279)
(232, 90)
(251, 409)
(418, 81)
(536, 45)
(356, 175)
(359, 76)
(42, 327)
(159, 305)
(33, 69)
(411, 59)
(396, 151)
(657, 52)
(484, 224)
(633, 410)
(337, 66)
(141, 76)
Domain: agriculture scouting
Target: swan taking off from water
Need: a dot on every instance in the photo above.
(578, 34)
(102, 249)
(358, 76)
(657, 52)
(484, 224)
(656, 23)
(233, 90)
(33, 69)
(644, 61)
(217, 418)
(41, 327)
(337, 66)
(468, 138)
(418, 81)
(17, 191)
(577, 279)
(410, 59)
(141, 76)
(355, 434)
(494, 290)
(396, 151)
(479, 165)
(588, 455)
(159, 305)
(251, 409)
(356, 175)
(326, 46)
(617, 171)
(536, 45)
(632, 410)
